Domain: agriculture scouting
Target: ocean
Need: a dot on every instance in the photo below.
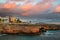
(49, 35)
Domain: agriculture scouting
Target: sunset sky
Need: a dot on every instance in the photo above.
(29, 8)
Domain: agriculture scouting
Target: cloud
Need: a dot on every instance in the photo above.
(48, 0)
(26, 7)
(25, 14)
(32, 10)
(57, 8)
(10, 6)
(42, 7)
(17, 0)
(1, 6)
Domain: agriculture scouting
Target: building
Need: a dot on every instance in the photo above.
(8, 19)
(4, 20)
(12, 19)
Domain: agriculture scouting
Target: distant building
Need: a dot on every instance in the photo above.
(8, 19)
(12, 19)
(4, 20)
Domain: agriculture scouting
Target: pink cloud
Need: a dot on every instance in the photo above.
(48, 0)
(1, 6)
(35, 9)
(57, 8)
(42, 7)
(17, 0)
(26, 7)
(10, 6)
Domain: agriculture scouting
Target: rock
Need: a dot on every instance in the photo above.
(30, 30)
(26, 30)
(35, 30)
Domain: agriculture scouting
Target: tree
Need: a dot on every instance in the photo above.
(19, 21)
(0, 20)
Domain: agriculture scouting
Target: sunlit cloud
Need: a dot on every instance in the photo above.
(42, 7)
(29, 7)
(32, 10)
(17, 0)
(1, 6)
(49, 0)
(26, 7)
(57, 8)
(10, 6)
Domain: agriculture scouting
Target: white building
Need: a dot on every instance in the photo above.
(4, 19)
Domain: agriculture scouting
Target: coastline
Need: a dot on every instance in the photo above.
(26, 28)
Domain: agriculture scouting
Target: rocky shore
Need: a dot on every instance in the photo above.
(20, 29)
(27, 28)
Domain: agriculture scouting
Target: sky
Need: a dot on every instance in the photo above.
(29, 9)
